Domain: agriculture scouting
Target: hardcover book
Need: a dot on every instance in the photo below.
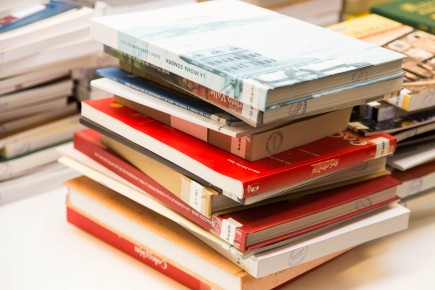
(415, 180)
(236, 177)
(250, 53)
(416, 13)
(419, 47)
(154, 231)
(319, 103)
(286, 218)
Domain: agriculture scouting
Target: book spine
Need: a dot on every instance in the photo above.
(411, 102)
(183, 85)
(139, 179)
(139, 252)
(362, 149)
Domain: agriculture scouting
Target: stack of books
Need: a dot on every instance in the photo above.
(410, 116)
(223, 153)
(43, 46)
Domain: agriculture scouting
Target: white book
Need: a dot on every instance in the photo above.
(36, 181)
(10, 7)
(27, 48)
(259, 264)
(257, 56)
(46, 27)
(11, 168)
(36, 94)
(54, 104)
(54, 133)
(69, 50)
(412, 156)
(24, 123)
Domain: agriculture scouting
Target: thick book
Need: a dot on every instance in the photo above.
(153, 228)
(244, 141)
(286, 219)
(416, 13)
(323, 102)
(216, 271)
(251, 54)
(418, 91)
(236, 177)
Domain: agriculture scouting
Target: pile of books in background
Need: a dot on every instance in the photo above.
(45, 51)
(222, 158)
(410, 116)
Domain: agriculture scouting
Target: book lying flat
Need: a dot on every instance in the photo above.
(216, 272)
(134, 222)
(287, 218)
(322, 102)
(235, 176)
(163, 182)
(415, 180)
(418, 91)
(252, 54)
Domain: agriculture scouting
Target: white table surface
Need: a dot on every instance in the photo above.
(40, 250)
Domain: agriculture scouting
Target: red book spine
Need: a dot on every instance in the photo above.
(135, 251)
(88, 142)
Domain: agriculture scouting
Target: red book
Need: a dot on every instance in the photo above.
(135, 251)
(88, 142)
(235, 176)
(263, 225)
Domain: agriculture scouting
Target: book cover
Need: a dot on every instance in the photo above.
(418, 46)
(256, 227)
(416, 13)
(101, 173)
(179, 270)
(145, 86)
(259, 145)
(233, 61)
(155, 231)
(238, 178)
(326, 101)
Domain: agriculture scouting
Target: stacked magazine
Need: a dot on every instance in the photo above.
(222, 157)
(45, 49)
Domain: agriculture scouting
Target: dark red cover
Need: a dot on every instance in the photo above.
(317, 158)
(357, 195)
(130, 248)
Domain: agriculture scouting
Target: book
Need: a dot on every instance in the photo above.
(163, 181)
(55, 132)
(26, 122)
(415, 180)
(52, 8)
(230, 276)
(20, 165)
(38, 180)
(151, 89)
(235, 176)
(380, 111)
(418, 91)
(410, 122)
(232, 60)
(245, 141)
(94, 196)
(322, 102)
(47, 26)
(46, 92)
(251, 236)
(416, 13)
(411, 156)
